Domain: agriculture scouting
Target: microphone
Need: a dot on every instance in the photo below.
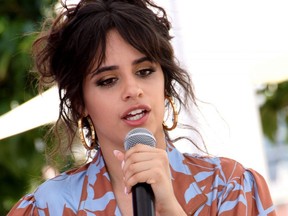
(142, 193)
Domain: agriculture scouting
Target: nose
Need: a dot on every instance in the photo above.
(131, 90)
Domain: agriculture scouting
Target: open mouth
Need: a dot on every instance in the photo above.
(136, 115)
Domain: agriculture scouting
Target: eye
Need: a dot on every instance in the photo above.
(107, 82)
(145, 72)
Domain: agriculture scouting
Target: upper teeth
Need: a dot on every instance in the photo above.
(135, 112)
(135, 115)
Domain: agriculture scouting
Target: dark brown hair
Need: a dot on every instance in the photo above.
(65, 52)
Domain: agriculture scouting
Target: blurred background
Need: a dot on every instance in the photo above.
(237, 53)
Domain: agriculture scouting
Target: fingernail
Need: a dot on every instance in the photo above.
(115, 152)
(122, 164)
(125, 190)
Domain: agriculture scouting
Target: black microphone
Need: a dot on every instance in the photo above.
(142, 194)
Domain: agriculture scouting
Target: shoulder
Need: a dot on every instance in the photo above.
(64, 186)
(229, 186)
(62, 192)
(223, 172)
(225, 169)
(199, 162)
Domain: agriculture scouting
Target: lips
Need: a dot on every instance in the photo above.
(135, 115)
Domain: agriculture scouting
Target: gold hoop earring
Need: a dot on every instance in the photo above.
(175, 115)
(87, 133)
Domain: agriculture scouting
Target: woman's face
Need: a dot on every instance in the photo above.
(125, 92)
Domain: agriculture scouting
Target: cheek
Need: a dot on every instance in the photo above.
(162, 111)
(159, 104)
(99, 114)
(96, 107)
(93, 100)
(92, 104)
(100, 106)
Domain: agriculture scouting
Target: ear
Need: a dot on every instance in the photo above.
(85, 112)
(82, 111)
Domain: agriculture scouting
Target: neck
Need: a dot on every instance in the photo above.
(113, 166)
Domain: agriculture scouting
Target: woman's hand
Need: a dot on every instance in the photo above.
(143, 163)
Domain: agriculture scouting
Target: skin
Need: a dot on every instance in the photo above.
(125, 92)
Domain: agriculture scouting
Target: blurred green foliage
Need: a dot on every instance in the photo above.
(274, 107)
(20, 159)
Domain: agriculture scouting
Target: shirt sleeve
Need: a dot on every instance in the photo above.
(25, 207)
(247, 194)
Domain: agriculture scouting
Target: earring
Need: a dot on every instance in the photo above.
(87, 133)
(175, 115)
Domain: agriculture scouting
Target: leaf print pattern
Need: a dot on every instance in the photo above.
(203, 186)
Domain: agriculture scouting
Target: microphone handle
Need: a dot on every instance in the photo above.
(143, 200)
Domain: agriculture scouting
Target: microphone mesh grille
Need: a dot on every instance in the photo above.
(139, 135)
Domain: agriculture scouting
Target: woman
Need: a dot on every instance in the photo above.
(115, 69)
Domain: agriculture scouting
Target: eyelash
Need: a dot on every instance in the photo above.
(106, 82)
(109, 82)
(149, 70)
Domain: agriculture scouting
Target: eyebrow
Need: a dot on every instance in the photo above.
(114, 67)
(140, 60)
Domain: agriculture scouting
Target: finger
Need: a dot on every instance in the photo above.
(119, 155)
(143, 158)
(139, 148)
(152, 171)
(131, 169)
(138, 178)
(139, 153)
(142, 152)
(138, 162)
(142, 163)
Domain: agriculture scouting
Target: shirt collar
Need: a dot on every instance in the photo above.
(186, 189)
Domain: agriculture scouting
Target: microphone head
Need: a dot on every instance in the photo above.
(139, 136)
